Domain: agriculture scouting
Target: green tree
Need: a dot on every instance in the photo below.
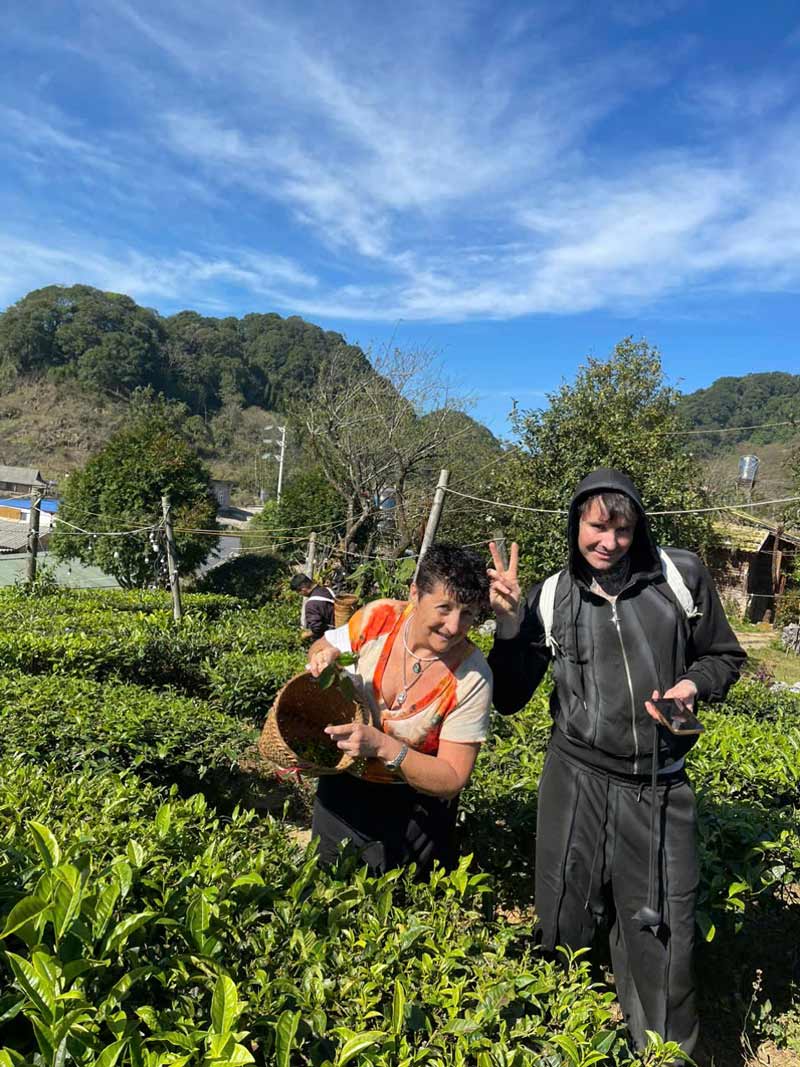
(308, 502)
(84, 332)
(120, 489)
(617, 413)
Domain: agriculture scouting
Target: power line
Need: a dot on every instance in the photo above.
(727, 507)
(502, 504)
(564, 511)
(107, 533)
(724, 429)
(497, 459)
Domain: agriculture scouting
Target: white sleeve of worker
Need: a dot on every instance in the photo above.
(339, 638)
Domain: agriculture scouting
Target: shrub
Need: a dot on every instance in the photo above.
(253, 577)
(187, 943)
(74, 723)
(245, 684)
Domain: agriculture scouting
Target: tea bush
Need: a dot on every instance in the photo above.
(143, 928)
(245, 684)
(74, 723)
(168, 935)
(51, 635)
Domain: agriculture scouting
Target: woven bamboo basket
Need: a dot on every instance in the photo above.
(343, 608)
(293, 736)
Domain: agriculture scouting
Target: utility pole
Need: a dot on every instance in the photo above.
(777, 560)
(311, 557)
(499, 539)
(33, 533)
(281, 445)
(433, 518)
(172, 559)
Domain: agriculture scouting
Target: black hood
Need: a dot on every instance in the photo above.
(643, 552)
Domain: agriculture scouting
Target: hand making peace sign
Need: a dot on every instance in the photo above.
(505, 595)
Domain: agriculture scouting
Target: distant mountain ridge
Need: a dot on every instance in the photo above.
(83, 353)
(769, 401)
(108, 343)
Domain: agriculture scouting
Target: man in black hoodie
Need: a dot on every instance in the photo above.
(611, 848)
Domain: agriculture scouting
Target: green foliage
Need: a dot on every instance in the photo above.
(245, 684)
(389, 579)
(138, 927)
(308, 502)
(164, 934)
(617, 413)
(253, 577)
(235, 659)
(104, 339)
(114, 938)
(71, 722)
(120, 489)
(109, 343)
(750, 400)
(788, 608)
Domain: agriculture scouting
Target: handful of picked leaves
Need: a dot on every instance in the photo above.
(336, 675)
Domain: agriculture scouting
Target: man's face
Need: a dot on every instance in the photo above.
(603, 541)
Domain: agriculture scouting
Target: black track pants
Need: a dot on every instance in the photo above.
(592, 852)
(389, 825)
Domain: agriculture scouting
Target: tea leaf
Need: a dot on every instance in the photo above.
(224, 1005)
(285, 1032)
(358, 1044)
(46, 844)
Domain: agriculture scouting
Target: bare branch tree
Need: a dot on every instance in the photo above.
(370, 432)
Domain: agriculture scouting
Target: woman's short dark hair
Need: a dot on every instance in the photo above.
(460, 570)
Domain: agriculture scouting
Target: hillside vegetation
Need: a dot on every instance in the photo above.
(109, 344)
(749, 401)
(71, 360)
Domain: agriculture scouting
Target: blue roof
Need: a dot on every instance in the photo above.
(24, 503)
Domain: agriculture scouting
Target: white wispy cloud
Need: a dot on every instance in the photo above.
(70, 259)
(437, 163)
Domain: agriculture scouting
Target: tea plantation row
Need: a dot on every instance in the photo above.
(148, 919)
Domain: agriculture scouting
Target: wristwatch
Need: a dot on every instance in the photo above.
(394, 764)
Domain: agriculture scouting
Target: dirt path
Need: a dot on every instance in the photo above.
(755, 639)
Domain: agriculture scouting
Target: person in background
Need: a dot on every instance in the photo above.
(319, 605)
(616, 824)
(429, 691)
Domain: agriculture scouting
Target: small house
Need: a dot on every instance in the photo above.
(751, 564)
(20, 481)
(222, 491)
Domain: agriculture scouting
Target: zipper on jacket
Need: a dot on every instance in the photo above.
(615, 620)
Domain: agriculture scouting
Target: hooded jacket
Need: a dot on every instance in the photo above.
(613, 655)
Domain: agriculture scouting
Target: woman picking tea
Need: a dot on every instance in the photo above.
(429, 690)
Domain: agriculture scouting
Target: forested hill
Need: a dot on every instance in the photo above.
(748, 401)
(109, 344)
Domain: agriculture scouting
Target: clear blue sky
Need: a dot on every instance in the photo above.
(513, 186)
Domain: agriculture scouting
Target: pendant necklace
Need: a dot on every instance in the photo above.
(417, 669)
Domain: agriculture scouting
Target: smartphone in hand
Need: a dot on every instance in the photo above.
(676, 717)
